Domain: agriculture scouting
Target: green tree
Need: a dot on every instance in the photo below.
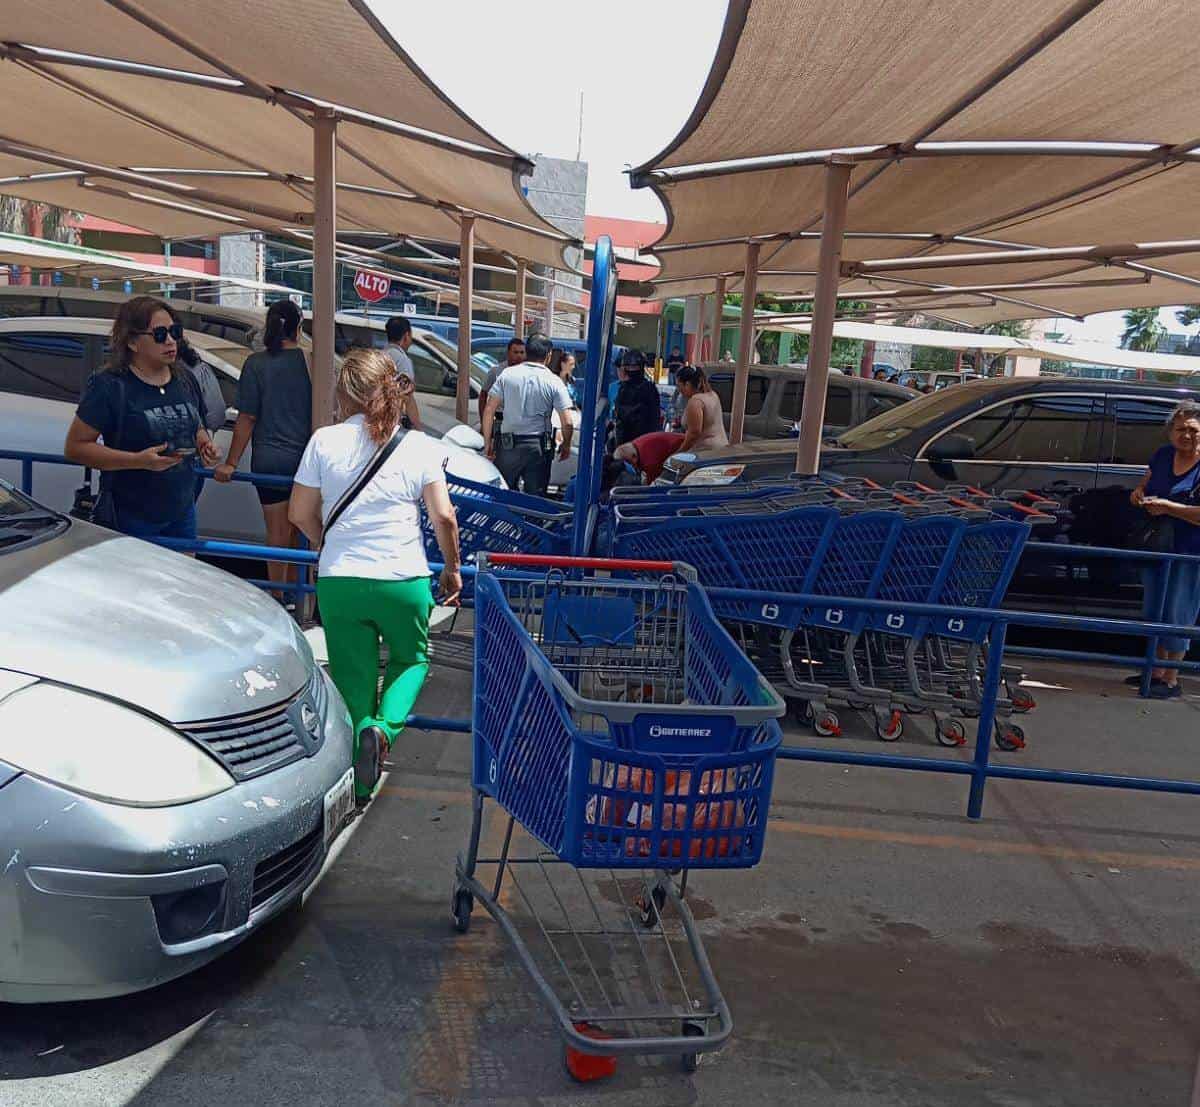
(1142, 329)
(1189, 316)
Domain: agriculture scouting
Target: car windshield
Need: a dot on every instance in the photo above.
(21, 519)
(899, 421)
(449, 350)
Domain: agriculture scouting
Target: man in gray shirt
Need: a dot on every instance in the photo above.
(514, 354)
(399, 336)
(529, 393)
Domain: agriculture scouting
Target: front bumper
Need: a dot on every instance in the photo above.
(98, 899)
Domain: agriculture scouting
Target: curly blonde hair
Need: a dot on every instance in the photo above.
(368, 380)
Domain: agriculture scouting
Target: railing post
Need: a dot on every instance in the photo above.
(27, 476)
(1161, 571)
(987, 719)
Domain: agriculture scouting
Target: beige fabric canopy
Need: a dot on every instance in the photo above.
(1085, 353)
(37, 253)
(263, 68)
(950, 114)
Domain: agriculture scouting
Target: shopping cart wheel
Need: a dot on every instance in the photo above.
(950, 732)
(889, 728)
(1021, 700)
(650, 910)
(827, 724)
(1010, 737)
(692, 1028)
(460, 909)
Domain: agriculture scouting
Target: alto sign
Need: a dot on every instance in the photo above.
(371, 286)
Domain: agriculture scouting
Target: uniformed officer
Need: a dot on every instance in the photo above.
(528, 393)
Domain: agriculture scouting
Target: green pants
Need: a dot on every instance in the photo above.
(357, 613)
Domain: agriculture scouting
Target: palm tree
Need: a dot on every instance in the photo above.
(1142, 329)
(1189, 315)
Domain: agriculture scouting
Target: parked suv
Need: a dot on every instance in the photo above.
(1084, 443)
(775, 394)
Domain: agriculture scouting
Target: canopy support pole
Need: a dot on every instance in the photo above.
(717, 316)
(324, 245)
(466, 274)
(741, 380)
(519, 302)
(816, 379)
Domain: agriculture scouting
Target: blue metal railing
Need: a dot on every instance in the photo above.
(979, 768)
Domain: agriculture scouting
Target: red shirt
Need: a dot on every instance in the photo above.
(653, 449)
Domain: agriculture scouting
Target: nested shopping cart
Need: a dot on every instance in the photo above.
(620, 727)
(823, 654)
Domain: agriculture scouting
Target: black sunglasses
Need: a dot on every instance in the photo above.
(159, 334)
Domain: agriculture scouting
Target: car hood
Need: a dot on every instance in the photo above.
(142, 624)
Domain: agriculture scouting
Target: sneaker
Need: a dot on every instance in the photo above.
(372, 746)
(1161, 690)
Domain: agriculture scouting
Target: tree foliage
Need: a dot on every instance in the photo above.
(1142, 329)
(20, 216)
(1189, 316)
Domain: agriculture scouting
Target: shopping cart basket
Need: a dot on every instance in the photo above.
(822, 655)
(618, 724)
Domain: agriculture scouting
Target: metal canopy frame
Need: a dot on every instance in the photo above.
(317, 195)
(829, 223)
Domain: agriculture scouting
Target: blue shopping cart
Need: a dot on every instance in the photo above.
(821, 654)
(621, 727)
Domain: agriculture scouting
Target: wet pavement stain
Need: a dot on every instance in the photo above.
(1022, 1017)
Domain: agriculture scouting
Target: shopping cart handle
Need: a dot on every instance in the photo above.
(550, 561)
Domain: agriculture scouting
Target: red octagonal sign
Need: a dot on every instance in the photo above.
(371, 286)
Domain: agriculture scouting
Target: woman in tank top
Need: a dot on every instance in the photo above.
(703, 421)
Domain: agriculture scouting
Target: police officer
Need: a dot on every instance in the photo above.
(528, 393)
(638, 409)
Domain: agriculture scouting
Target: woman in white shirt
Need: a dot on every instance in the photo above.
(373, 579)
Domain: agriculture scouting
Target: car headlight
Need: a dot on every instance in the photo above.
(101, 749)
(714, 474)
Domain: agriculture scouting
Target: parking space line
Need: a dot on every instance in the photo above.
(1116, 858)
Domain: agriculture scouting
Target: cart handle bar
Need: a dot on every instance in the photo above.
(548, 561)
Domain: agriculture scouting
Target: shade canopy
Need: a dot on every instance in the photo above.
(81, 262)
(1083, 353)
(223, 141)
(972, 126)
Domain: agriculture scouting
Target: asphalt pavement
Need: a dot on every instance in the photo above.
(888, 951)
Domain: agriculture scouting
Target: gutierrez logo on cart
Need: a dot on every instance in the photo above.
(680, 732)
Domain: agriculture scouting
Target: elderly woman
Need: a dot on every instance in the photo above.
(357, 495)
(1169, 491)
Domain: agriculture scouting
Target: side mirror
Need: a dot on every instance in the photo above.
(466, 438)
(449, 381)
(952, 447)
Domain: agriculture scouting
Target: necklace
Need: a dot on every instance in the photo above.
(162, 389)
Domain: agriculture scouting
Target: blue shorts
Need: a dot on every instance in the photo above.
(183, 527)
(1181, 605)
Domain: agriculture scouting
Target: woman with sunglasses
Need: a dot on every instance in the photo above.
(149, 413)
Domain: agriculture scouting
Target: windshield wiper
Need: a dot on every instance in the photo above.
(37, 515)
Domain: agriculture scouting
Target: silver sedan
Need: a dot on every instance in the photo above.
(173, 764)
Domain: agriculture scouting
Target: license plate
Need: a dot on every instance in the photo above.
(339, 803)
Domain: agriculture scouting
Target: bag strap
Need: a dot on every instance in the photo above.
(364, 478)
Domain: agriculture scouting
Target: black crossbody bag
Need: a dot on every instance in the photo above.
(102, 508)
(362, 480)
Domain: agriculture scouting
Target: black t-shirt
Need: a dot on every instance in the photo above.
(152, 416)
(638, 409)
(276, 391)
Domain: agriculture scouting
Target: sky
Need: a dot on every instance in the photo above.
(519, 69)
(520, 66)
